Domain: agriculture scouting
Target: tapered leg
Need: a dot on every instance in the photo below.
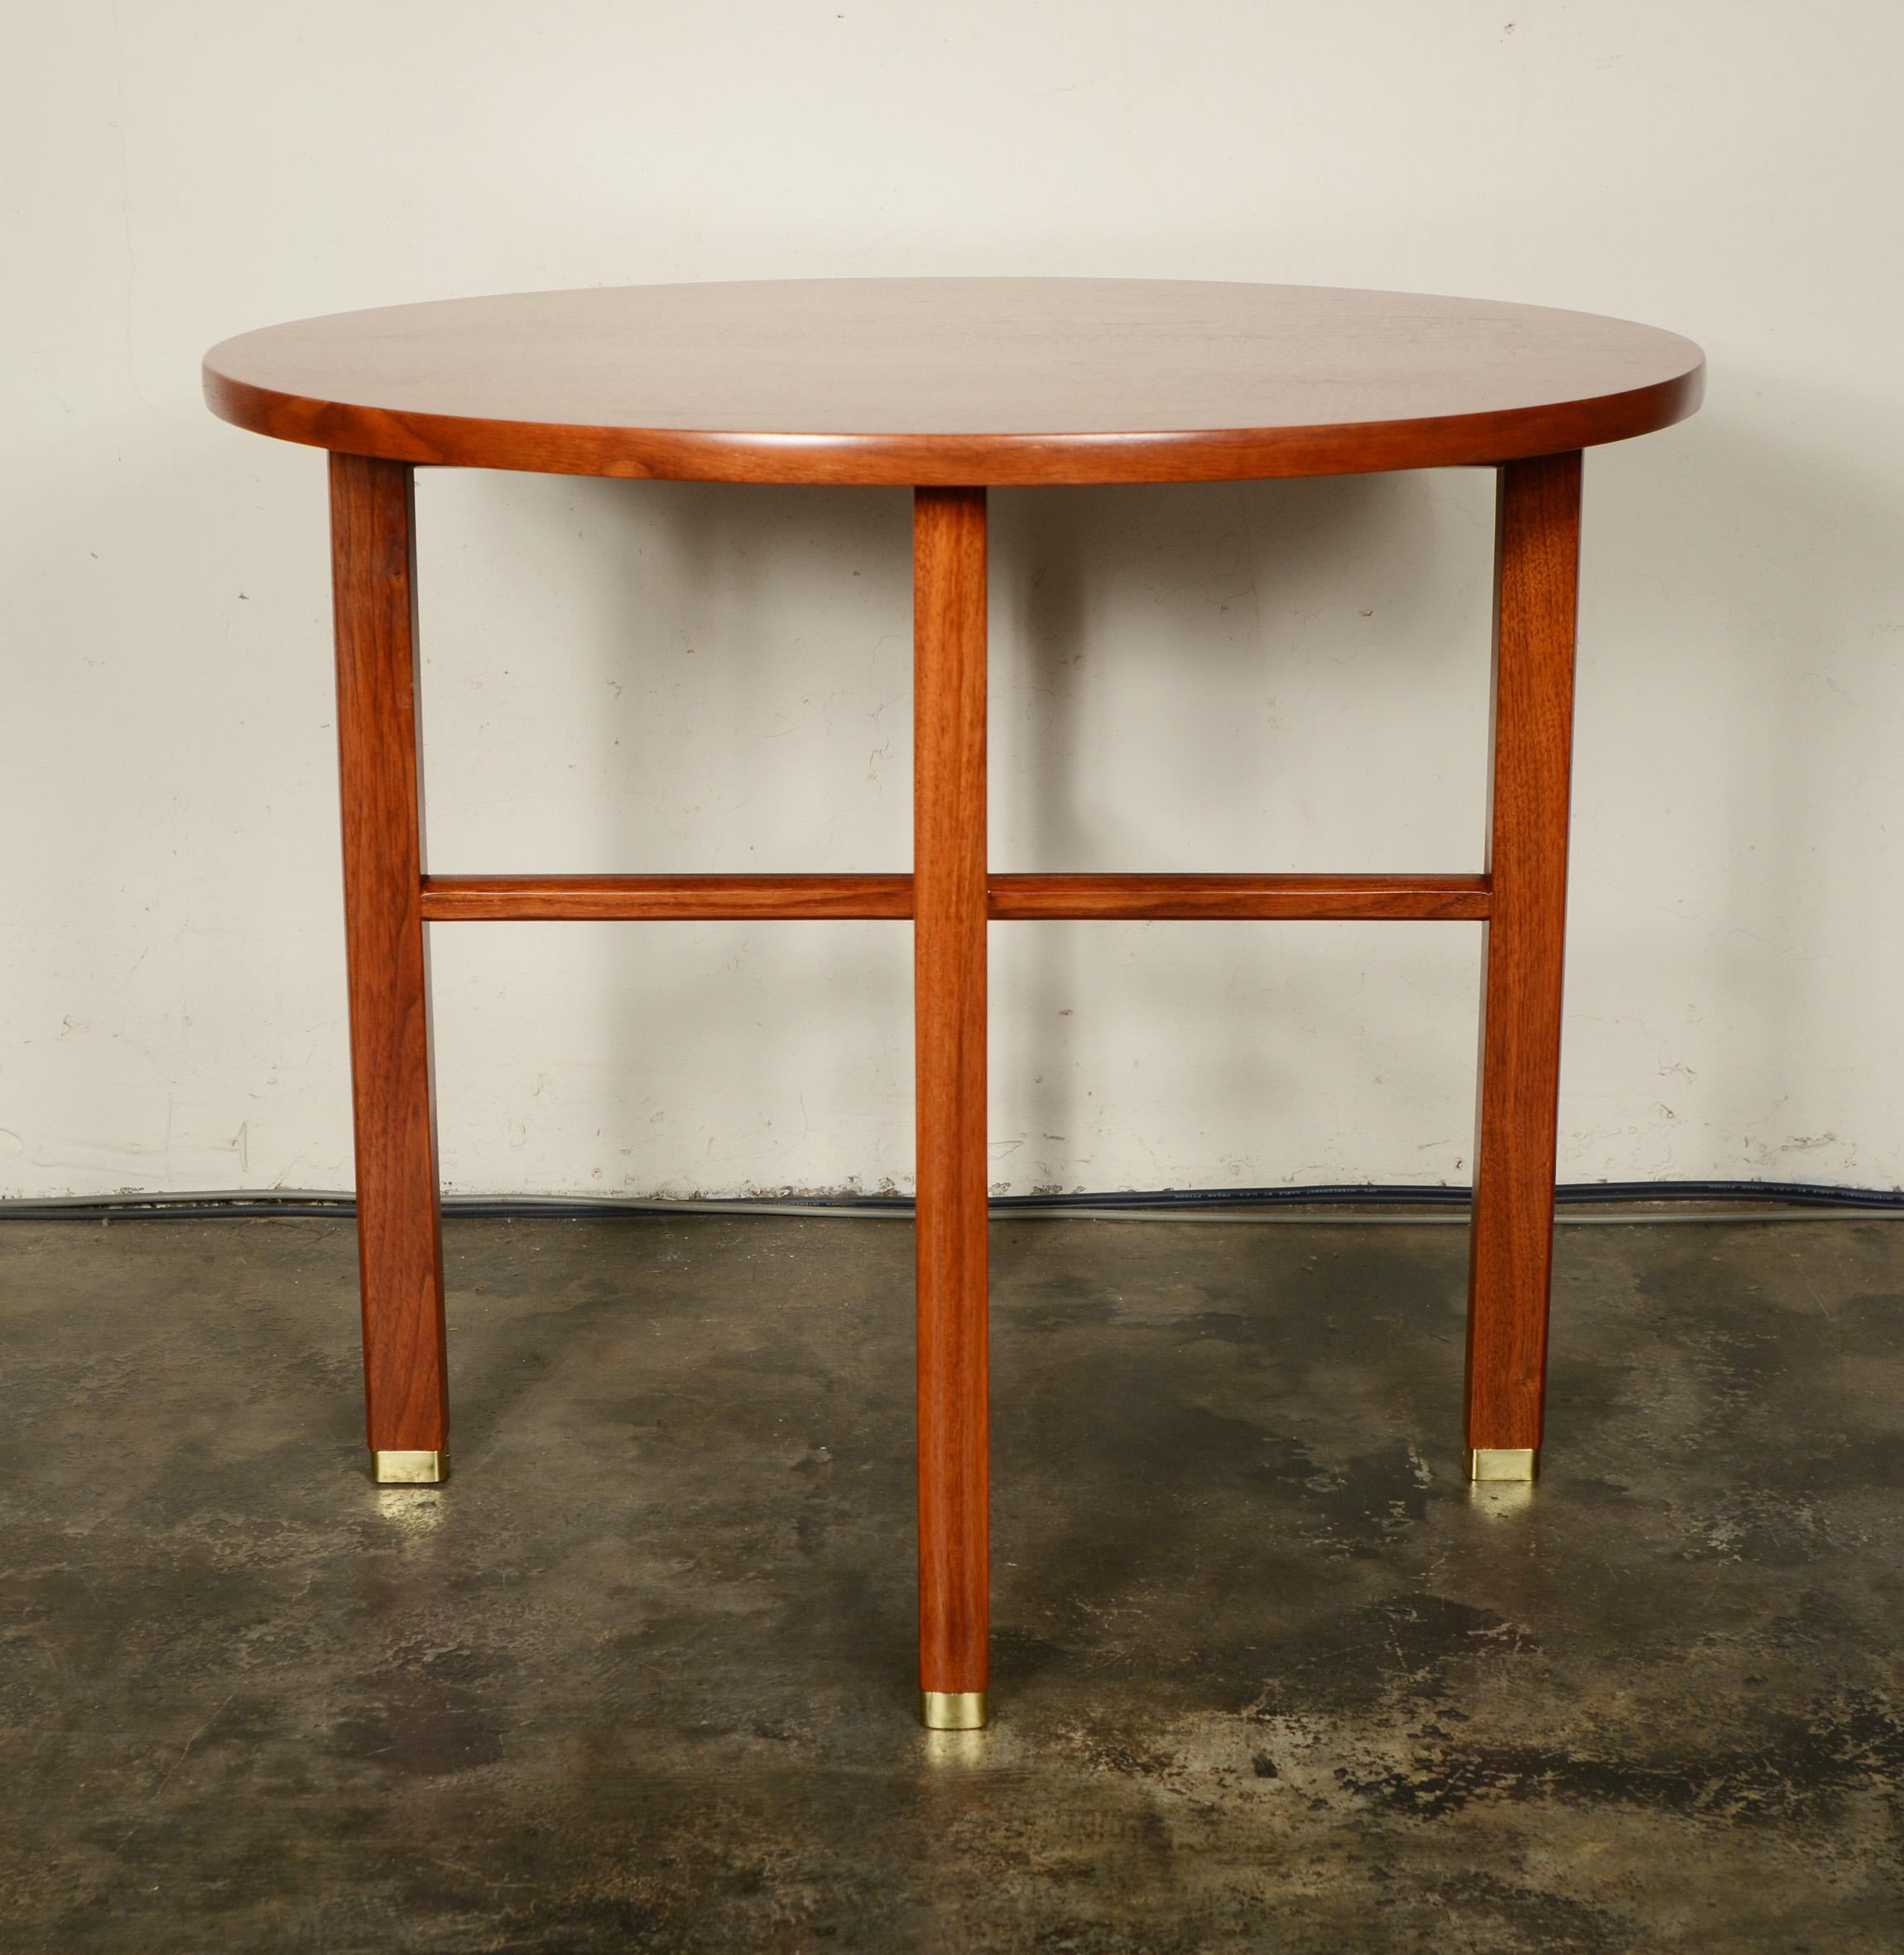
(949, 962)
(1536, 573)
(399, 1230)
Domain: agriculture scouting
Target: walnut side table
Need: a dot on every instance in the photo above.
(947, 387)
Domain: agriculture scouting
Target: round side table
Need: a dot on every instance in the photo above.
(947, 387)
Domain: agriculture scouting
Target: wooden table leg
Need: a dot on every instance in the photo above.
(948, 964)
(1536, 574)
(398, 1220)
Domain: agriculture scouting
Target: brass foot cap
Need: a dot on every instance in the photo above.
(952, 1710)
(1503, 1462)
(409, 1469)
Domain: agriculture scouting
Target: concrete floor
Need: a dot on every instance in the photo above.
(1268, 1675)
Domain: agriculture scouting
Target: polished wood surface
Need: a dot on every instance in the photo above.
(399, 1233)
(661, 899)
(949, 1004)
(739, 898)
(1510, 1257)
(956, 380)
(1189, 899)
(947, 387)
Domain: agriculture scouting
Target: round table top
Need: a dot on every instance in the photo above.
(956, 380)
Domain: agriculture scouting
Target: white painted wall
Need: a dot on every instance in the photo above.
(672, 677)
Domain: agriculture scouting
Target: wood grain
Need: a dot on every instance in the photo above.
(956, 380)
(660, 899)
(399, 1233)
(1188, 898)
(1536, 575)
(948, 953)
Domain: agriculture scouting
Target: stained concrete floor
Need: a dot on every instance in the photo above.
(1268, 1675)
